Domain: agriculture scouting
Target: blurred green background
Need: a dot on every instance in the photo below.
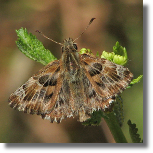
(116, 20)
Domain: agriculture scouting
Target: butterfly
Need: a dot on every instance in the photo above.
(75, 85)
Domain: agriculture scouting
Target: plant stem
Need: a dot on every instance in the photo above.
(115, 128)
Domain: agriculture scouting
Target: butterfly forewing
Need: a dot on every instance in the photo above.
(38, 94)
(109, 78)
(106, 80)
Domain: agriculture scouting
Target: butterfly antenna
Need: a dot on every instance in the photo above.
(85, 29)
(49, 38)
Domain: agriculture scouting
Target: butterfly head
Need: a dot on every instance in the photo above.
(69, 46)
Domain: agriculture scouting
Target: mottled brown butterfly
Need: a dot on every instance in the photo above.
(75, 85)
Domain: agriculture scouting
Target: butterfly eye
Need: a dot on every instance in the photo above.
(62, 49)
(75, 46)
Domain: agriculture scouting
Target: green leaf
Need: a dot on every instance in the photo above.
(33, 48)
(134, 81)
(118, 56)
(119, 50)
(133, 132)
(84, 50)
(97, 54)
(118, 110)
(108, 56)
(95, 119)
(137, 79)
